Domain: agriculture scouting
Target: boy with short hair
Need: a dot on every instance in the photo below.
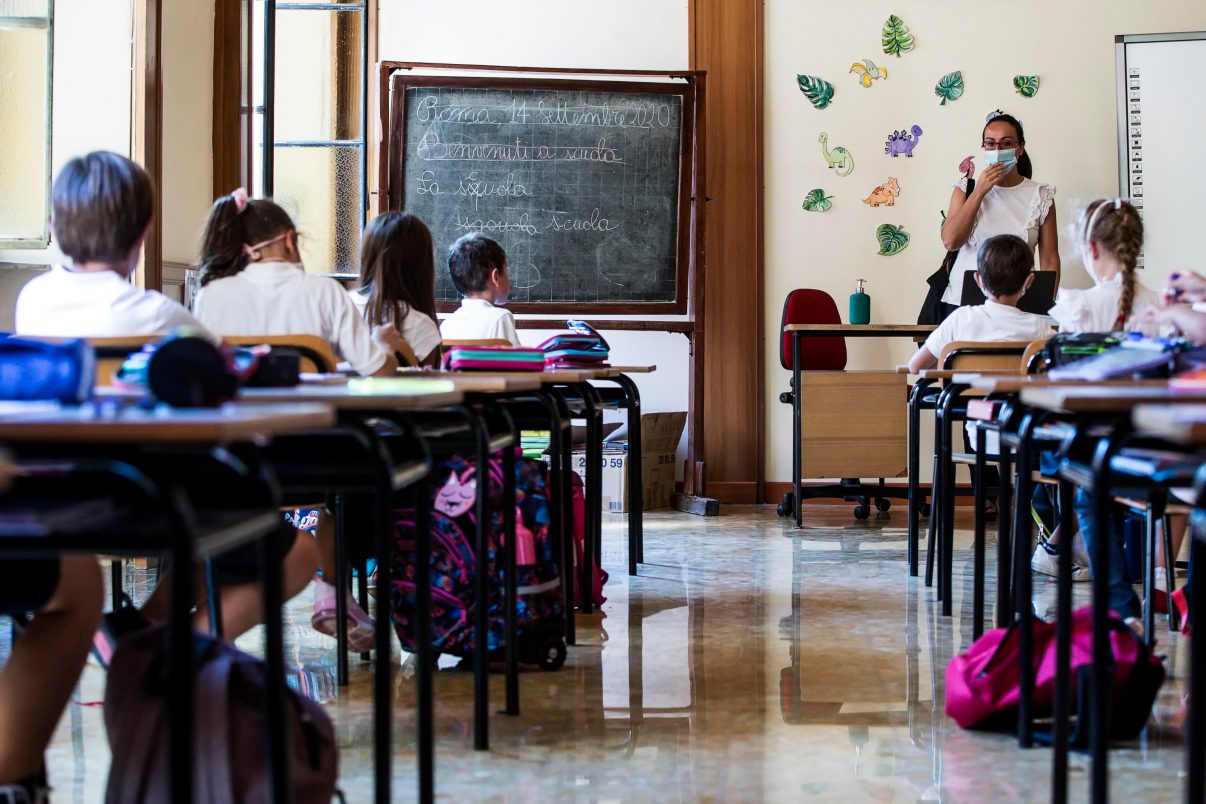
(94, 296)
(1003, 271)
(478, 267)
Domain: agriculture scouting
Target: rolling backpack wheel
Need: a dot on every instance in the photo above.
(883, 505)
(782, 510)
(550, 651)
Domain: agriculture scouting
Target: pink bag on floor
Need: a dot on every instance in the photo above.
(599, 576)
(983, 684)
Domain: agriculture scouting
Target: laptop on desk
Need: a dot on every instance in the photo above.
(1038, 300)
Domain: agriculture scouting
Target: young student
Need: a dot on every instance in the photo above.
(253, 283)
(101, 206)
(478, 267)
(397, 281)
(1111, 234)
(1003, 271)
(1111, 237)
(100, 230)
(66, 595)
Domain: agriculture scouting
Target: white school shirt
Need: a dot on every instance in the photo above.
(1018, 210)
(63, 303)
(478, 319)
(279, 298)
(989, 321)
(418, 329)
(1096, 309)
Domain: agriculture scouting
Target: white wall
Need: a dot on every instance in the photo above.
(1070, 128)
(624, 34)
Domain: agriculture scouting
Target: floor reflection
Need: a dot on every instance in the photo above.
(748, 662)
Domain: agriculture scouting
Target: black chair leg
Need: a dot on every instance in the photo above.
(363, 595)
(932, 528)
(116, 575)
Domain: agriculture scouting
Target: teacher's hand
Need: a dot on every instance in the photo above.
(990, 177)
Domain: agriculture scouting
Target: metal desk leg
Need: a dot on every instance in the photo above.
(1103, 669)
(340, 582)
(425, 669)
(593, 494)
(511, 597)
(1004, 562)
(636, 473)
(1022, 580)
(1063, 654)
(915, 497)
(796, 428)
(180, 651)
(978, 547)
(481, 610)
(1195, 736)
(279, 788)
(567, 517)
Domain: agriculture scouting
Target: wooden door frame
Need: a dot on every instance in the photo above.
(146, 129)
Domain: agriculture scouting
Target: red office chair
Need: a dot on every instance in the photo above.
(809, 306)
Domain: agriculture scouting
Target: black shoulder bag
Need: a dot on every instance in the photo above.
(931, 308)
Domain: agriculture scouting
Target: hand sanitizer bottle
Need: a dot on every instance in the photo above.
(860, 304)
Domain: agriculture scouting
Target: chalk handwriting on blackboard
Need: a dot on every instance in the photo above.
(580, 187)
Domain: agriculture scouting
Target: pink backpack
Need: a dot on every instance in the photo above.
(229, 762)
(982, 685)
(599, 576)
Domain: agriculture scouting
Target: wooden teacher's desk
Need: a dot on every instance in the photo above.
(798, 333)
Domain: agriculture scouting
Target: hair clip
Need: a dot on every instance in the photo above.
(995, 113)
(240, 198)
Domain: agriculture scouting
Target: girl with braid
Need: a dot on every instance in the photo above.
(1111, 238)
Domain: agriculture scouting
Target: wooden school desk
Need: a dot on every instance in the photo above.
(107, 438)
(356, 402)
(1185, 424)
(799, 331)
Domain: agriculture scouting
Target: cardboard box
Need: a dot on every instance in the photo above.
(660, 434)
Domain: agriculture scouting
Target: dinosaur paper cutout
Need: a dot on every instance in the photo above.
(868, 72)
(899, 142)
(884, 194)
(968, 167)
(838, 158)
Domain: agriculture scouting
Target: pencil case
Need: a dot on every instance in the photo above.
(40, 370)
(493, 358)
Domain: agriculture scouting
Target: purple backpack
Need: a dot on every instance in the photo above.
(229, 762)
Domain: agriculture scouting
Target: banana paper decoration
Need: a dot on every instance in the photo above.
(818, 91)
(868, 72)
(892, 239)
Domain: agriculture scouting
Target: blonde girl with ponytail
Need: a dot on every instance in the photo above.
(1111, 235)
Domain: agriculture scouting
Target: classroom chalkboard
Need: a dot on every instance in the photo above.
(586, 185)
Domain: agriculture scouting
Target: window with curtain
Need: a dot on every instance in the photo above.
(318, 111)
(25, 71)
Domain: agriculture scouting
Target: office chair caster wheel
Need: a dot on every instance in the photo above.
(551, 653)
(782, 510)
(882, 505)
(862, 512)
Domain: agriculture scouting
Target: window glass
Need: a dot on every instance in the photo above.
(320, 189)
(25, 36)
(318, 75)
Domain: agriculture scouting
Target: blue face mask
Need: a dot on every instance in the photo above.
(1006, 156)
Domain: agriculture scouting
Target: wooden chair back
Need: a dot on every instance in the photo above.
(983, 356)
(316, 354)
(1031, 358)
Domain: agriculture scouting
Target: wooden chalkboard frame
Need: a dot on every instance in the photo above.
(397, 77)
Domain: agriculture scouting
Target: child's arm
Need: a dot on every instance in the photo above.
(1187, 320)
(506, 329)
(1048, 245)
(922, 360)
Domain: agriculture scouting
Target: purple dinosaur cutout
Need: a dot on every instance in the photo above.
(901, 143)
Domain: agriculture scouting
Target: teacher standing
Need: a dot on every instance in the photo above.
(1004, 200)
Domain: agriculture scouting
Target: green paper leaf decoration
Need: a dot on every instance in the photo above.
(892, 239)
(818, 91)
(817, 201)
(1026, 85)
(896, 37)
(949, 87)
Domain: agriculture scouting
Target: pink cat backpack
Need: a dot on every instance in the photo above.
(453, 561)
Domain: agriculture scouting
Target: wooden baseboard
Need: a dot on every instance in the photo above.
(734, 492)
(775, 490)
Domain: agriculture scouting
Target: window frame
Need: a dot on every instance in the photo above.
(41, 242)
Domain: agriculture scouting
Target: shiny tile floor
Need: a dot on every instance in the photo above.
(748, 662)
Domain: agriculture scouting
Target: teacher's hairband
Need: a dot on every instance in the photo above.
(995, 113)
(240, 199)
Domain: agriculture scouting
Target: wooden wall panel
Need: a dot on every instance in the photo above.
(726, 41)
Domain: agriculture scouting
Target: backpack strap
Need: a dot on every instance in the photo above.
(211, 771)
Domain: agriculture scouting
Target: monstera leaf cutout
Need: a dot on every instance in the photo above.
(818, 91)
(892, 239)
(817, 201)
(896, 37)
(1026, 85)
(949, 87)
